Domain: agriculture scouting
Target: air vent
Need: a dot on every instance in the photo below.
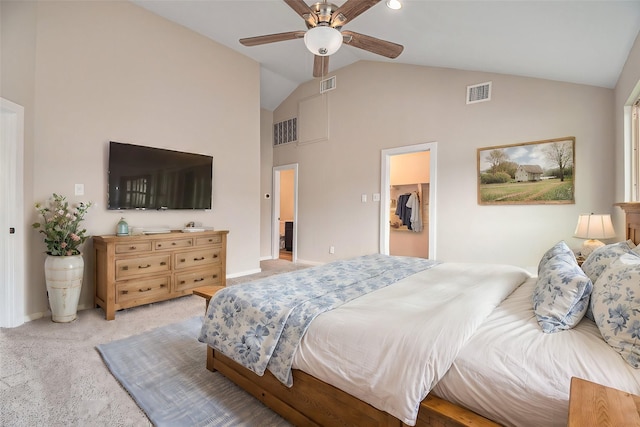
(328, 84)
(285, 131)
(479, 93)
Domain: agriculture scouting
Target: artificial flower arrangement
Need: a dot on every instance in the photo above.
(61, 226)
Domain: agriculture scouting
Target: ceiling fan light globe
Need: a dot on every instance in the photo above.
(323, 41)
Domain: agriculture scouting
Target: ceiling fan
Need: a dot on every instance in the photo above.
(324, 34)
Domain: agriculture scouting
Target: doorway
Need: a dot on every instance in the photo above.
(285, 213)
(423, 184)
(12, 235)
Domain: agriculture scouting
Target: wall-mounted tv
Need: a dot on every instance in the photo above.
(154, 178)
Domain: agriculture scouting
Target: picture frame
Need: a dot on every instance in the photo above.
(537, 172)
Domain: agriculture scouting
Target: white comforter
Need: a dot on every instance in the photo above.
(517, 375)
(390, 347)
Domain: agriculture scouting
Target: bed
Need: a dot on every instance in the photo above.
(480, 383)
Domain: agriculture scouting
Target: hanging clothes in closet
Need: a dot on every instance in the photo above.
(415, 218)
(403, 211)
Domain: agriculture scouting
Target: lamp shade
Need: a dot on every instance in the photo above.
(592, 226)
(323, 40)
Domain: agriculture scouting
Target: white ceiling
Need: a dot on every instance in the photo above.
(580, 41)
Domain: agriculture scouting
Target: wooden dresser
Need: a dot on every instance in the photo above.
(136, 270)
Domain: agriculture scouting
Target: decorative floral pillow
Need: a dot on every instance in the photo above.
(616, 306)
(558, 249)
(600, 259)
(562, 292)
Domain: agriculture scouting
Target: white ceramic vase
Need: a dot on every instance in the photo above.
(63, 275)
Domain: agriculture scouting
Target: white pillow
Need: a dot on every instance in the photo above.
(561, 294)
(616, 306)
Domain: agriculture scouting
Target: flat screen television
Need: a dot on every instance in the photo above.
(154, 178)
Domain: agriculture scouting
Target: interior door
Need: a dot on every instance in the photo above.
(12, 221)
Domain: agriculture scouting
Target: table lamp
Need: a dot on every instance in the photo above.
(593, 227)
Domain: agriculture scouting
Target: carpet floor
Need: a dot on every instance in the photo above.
(51, 374)
(164, 371)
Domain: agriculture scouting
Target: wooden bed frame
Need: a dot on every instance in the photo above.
(311, 402)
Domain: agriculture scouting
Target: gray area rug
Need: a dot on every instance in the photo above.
(164, 371)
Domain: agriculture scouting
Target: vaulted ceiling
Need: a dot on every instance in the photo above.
(584, 42)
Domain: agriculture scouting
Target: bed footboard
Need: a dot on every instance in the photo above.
(311, 402)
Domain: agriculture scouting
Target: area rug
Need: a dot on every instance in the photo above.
(164, 372)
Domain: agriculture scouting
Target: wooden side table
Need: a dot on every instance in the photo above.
(592, 404)
(207, 292)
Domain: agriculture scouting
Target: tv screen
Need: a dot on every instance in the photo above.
(155, 178)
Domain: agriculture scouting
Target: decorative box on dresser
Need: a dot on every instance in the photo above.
(137, 270)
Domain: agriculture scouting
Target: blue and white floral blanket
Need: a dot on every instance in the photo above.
(260, 324)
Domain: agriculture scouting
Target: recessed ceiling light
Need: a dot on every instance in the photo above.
(394, 4)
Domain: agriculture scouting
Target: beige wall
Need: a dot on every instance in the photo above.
(90, 72)
(387, 105)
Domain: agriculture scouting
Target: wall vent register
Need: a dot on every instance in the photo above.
(479, 93)
(285, 131)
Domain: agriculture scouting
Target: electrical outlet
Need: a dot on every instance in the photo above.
(79, 190)
(376, 197)
(332, 250)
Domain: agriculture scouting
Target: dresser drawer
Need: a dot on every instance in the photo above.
(208, 240)
(131, 248)
(173, 244)
(144, 265)
(197, 258)
(192, 279)
(135, 290)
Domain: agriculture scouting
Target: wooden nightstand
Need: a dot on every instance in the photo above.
(592, 404)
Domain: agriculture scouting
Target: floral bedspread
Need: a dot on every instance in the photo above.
(260, 324)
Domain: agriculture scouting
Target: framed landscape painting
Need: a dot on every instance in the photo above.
(539, 172)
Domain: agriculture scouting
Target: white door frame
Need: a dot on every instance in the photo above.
(385, 190)
(12, 220)
(275, 224)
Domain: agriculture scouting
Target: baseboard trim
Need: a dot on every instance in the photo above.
(244, 273)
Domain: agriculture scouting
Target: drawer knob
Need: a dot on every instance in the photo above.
(144, 290)
(159, 245)
(163, 263)
(125, 267)
(132, 248)
(198, 280)
(182, 260)
(182, 282)
(124, 292)
(144, 266)
(215, 255)
(214, 276)
(174, 243)
(199, 259)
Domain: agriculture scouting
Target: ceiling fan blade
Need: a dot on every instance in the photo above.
(350, 10)
(320, 66)
(372, 44)
(302, 9)
(271, 38)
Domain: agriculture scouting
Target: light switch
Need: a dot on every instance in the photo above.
(363, 198)
(376, 197)
(79, 189)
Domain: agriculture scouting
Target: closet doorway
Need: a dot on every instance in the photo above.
(408, 178)
(285, 212)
